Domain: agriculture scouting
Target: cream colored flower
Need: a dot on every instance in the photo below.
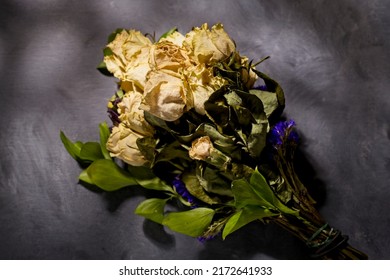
(201, 84)
(165, 95)
(168, 56)
(201, 148)
(129, 60)
(209, 46)
(122, 144)
(132, 115)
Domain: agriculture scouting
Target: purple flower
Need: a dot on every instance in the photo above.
(114, 116)
(181, 189)
(281, 133)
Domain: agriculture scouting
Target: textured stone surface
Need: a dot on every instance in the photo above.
(331, 57)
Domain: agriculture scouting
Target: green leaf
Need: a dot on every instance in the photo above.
(91, 151)
(213, 182)
(169, 32)
(119, 93)
(244, 195)
(257, 139)
(220, 141)
(112, 36)
(219, 113)
(145, 177)
(104, 133)
(108, 176)
(194, 188)
(107, 51)
(282, 190)
(72, 148)
(152, 209)
(263, 190)
(257, 192)
(254, 105)
(269, 99)
(273, 86)
(78, 144)
(84, 153)
(245, 216)
(102, 67)
(250, 121)
(233, 99)
(192, 222)
(156, 121)
(146, 146)
(84, 177)
(172, 151)
(217, 109)
(244, 116)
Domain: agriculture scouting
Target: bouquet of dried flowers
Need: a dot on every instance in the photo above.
(194, 121)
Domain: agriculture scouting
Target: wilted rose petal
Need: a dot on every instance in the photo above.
(132, 115)
(248, 78)
(202, 83)
(176, 37)
(122, 144)
(130, 57)
(165, 96)
(168, 56)
(209, 46)
(201, 148)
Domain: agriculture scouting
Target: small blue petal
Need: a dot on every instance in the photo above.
(182, 191)
(282, 132)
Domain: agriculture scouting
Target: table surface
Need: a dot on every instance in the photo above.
(331, 57)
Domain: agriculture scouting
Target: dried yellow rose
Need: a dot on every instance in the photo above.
(168, 56)
(132, 115)
(122, 144)
(201, 84)
(165, 95)
(201, 148)
(129, 60)
(209, 46)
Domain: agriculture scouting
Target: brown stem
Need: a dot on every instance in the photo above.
(326, 243)
(303, 200)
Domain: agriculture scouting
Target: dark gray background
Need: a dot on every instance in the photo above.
(331, 57)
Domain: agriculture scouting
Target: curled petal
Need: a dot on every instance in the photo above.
(122, 144)
(201, 148)
(165, 96)
(129, 60)
(209, 46)
(132, 115)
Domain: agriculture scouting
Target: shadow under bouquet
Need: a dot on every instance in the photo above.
(194, 121)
